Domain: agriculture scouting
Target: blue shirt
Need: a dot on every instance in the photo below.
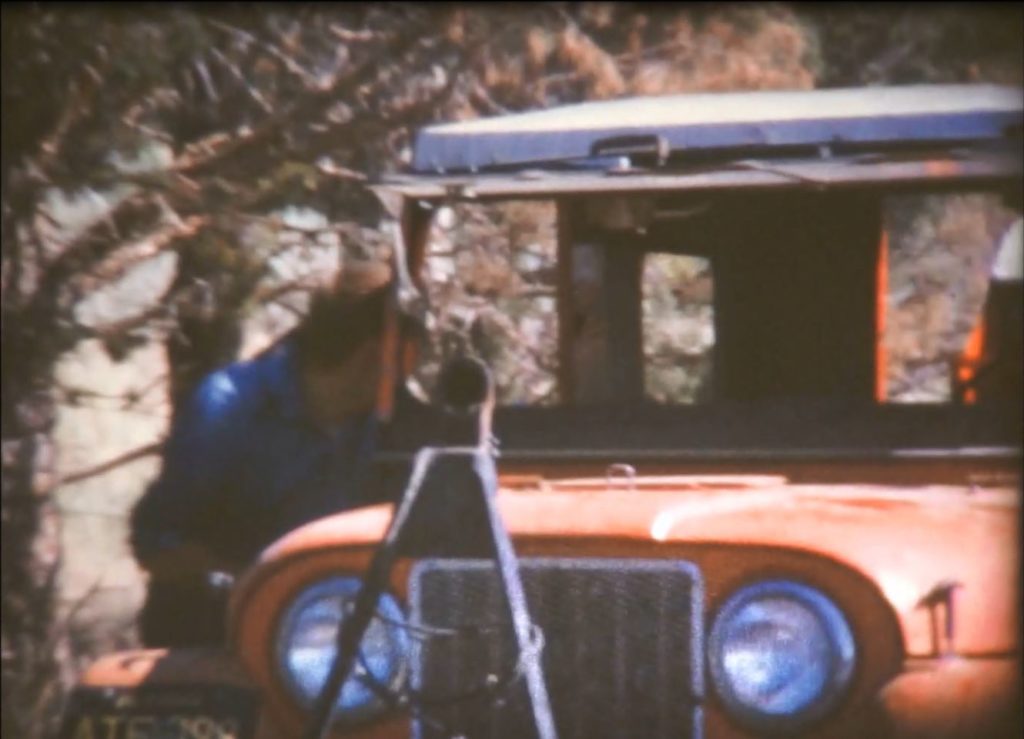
(245, 464)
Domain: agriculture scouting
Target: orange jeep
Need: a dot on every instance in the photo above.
(734, 535)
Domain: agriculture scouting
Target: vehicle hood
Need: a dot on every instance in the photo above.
(906, 539)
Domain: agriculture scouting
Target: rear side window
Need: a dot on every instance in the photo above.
(678, 328)
(941, 251)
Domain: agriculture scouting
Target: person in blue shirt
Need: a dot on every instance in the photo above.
(262, 447)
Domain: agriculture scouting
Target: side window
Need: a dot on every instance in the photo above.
(941, 252)
(490, 276)
(678, 328)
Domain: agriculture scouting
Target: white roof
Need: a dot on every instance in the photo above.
(727, 120)
(762, 106)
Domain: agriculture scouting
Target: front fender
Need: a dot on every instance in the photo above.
(954, 698)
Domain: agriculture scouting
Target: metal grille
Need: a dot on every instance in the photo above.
(622, 648)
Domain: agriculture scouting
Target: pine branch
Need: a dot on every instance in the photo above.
(116, 264)
(348, 36)
(111, 464)
(235, 72)
(89, 248)
(310, 107)
(293, 66)
(271, 294)
(78, 106)
(117, 329)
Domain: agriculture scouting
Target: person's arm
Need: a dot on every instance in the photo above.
(197, 464)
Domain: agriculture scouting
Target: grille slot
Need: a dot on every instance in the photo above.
(622, 648)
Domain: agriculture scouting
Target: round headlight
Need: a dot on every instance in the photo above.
(306, 646)
(781, 655)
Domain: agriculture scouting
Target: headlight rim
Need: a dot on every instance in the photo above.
(347, 586)
(838, 628)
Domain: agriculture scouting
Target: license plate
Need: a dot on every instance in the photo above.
(161, 712)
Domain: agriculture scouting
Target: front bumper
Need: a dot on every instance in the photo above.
(949, 698)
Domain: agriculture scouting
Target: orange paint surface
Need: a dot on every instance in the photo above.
(955, 698)
(896, 541)
(905, 539)
(970, 359)
(881, 306)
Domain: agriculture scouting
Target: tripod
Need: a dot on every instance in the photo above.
(466, 388)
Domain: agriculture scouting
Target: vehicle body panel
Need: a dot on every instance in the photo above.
(905, 539)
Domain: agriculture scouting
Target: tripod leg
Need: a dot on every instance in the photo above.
(515, 597)
(352, 629)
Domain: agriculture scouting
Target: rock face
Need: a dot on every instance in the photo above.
(101, 586)
(112, 408)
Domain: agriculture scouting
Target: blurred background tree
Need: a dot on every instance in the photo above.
(230, 147)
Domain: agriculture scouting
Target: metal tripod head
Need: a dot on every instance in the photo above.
(465, 391)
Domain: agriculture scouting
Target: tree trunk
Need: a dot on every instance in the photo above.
(35, 643)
